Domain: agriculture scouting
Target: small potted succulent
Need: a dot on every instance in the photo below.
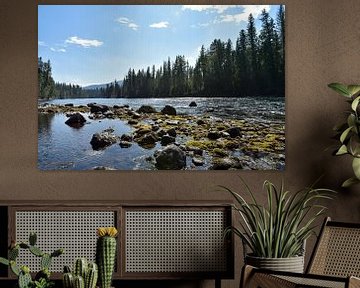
(348, 132)
(275, 233)
(84, 274)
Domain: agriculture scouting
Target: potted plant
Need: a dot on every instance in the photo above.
(42, 278)
(349, 132)
(276, 233)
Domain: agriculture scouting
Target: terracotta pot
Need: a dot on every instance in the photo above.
(291, 264)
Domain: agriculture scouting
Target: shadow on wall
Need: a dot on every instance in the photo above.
(332, 170)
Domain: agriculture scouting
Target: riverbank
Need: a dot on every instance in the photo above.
(184, 141)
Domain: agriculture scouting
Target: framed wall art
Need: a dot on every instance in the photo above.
(161, 87)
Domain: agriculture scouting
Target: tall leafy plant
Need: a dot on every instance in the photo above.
(279, 229)
(348, 132)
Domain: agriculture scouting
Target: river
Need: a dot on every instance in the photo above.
(61, 147)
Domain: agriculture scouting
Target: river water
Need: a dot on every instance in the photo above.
(61, 147)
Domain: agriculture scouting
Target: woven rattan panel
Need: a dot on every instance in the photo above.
(338, 253)
(311, 282)
(175, 241)
(75, 231)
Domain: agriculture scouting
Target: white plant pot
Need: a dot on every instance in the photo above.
(291, 264)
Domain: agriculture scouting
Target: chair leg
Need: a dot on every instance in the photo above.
(246, 274)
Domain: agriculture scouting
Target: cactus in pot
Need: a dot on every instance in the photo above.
(106, 254)
(85, 275)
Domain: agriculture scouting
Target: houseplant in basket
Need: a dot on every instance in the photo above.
(275, 233)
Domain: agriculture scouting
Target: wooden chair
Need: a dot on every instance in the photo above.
(335, 262)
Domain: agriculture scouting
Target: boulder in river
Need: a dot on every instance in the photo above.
(96, 108)
(76, 120)
(167, 139)
(192, 104)
(234, 132)
(170, 158)
(168, 110)
(126, 137)
(226, 163)
(147, 141)
(213, 135)
(102, 140)
(146, 109)
(171, 132)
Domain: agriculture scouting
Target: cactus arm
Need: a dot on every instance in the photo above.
(45, 261)
(79, 282)
(32, 239)
(80, 267)
(57, 253)
(68, 280)
(14, 268)
(13, 253)
(36, 251)
(67, 269)
(91, 276)
(24, 280)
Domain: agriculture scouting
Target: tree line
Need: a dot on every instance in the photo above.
(255, 66)
(48, 88)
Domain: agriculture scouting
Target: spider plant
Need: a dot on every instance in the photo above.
(279, 229)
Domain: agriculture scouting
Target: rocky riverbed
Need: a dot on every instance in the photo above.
(184, 141)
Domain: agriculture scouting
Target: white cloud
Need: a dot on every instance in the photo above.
(123, 20)
(42, 43)
(255, 10)
(211, 8)
(162, 24)
(58, 49)
(133, 26)
(86, 43)
(127, 22)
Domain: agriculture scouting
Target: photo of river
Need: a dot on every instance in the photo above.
(207, 93)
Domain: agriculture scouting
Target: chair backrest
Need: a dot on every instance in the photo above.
(337, 251)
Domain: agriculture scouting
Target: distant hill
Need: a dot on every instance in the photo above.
(99, 86)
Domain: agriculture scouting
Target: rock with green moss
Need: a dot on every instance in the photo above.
(170, 158)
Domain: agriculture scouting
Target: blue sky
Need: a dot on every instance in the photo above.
(90, 44)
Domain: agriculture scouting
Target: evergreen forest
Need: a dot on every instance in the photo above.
(252, 66)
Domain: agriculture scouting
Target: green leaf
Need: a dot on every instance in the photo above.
(355, 103)
(342, 150)
(356, 167)
(349, 182)
(351, 120)
(353, 89)
(340, 88)
(345, 134)
(4, 261)
(354, 145)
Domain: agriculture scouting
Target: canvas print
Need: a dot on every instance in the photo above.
(161, 87)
